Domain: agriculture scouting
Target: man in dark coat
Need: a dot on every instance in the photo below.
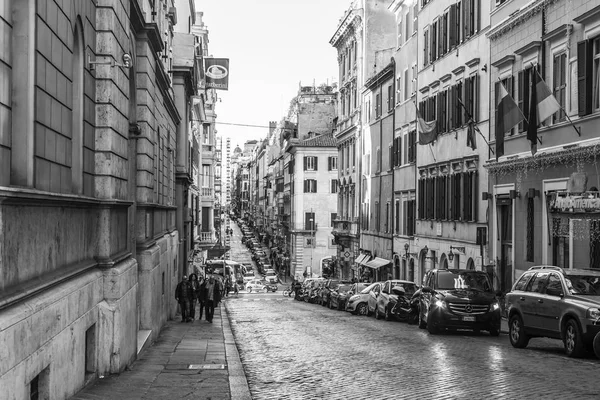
(183, 294)
(211, 295)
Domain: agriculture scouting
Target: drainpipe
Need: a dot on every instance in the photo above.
(394, 91)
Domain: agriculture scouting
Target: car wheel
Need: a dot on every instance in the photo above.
(388, 314)
(377, 316)
(597, 345)
(249, 290)
(362, 309)
(265, 290)
(516, 332)
(330, 305)
(431, 328)
(422, 323)
(573, 340)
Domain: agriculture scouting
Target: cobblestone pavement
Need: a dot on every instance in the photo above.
(296, 350)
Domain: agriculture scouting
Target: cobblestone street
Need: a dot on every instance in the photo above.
(292, 349)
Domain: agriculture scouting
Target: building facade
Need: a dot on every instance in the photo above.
(536, 207)
(89, 148)
(453, 70)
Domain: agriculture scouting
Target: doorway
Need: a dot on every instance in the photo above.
(505, 236)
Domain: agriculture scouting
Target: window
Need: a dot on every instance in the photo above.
(397, 217)
(523, 93)
(353, 154)
(378, 161)
(434, 41)
(508, 85)
(415, 12)
(410, 217)
(398, 91)
(406, 26)
(397, 151)
(311, 242)
(412, 146)
(311, 163)
(310, 186)
(334, 186)
(378, 105)
(426, 46)
(309, 221)
(368, 110)
(377, 217)
(559, 81)
(529, 231)
(390, 99)
(332, 163)
(333, 218)
(406, 85)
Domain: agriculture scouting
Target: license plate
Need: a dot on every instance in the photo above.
(470, 319)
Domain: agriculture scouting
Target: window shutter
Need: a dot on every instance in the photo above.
(521, 94)
(328, 163)
(452, 27)
(305, 163)
(315, 189)
(474, 193)
(476, 97)
(316, 159)
(584, 75)
(466, 19)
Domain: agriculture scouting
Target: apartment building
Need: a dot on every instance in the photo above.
(542, 207)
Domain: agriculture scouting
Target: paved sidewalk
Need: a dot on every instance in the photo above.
(196, 360)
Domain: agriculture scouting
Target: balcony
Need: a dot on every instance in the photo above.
(207, 237)
(346, 227)
(207, 192)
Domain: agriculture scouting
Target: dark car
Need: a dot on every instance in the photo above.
(458, 299)
(325, 291)
(339, 296)
(564, 304)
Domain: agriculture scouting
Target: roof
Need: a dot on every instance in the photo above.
(326, 140)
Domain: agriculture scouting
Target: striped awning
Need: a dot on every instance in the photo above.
(377, 263)
(361, 259)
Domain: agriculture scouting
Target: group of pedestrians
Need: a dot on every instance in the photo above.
(191, 291)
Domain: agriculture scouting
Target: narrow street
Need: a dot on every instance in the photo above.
(292, 349)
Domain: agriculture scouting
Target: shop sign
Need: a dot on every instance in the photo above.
(566, 202)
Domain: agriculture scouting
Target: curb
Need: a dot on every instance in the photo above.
(238, 384)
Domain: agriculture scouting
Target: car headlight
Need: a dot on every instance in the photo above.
(440, 303)
(495, 306)
(354, 298)
(593, 313)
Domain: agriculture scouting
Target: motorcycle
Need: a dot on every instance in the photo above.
(406, 308)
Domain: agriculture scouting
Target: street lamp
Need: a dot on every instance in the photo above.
(406, 248)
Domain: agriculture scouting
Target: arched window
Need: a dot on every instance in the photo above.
(471, 264)
(77, 110)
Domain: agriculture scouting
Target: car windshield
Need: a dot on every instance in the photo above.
(249, 274)
(368, 288)
(583, 284)
(473, 280)
(409, 288)
(334, 285)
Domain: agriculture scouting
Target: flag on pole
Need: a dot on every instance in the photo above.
(509, 115)
(427, 130)
(542, 105)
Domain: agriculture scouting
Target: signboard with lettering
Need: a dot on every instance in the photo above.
(217, 73)
(566, 202)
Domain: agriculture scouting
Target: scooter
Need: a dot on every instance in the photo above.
(405, 309)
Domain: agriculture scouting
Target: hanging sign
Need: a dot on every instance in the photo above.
(566, 202)
(216, 71)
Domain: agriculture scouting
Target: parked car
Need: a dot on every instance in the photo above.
(358, 302)
(248, 276)
(260, 285)
(548, 301)
(382, 298)
(339, 296)
(325, 291)
(271, 276)
(458, 299)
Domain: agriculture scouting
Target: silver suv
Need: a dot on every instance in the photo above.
(548, 301)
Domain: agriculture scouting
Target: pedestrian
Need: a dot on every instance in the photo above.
(195, 292)
(211, 294)
(201, 301)
(183, 295)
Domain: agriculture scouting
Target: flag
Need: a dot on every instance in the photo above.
(427, 130)
(542, 105)
(508, 116)
(471, 135)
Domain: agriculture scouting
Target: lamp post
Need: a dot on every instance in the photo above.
(312, 243)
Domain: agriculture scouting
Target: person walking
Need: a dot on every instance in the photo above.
(195, 292)
(183, 295)
(211, 294)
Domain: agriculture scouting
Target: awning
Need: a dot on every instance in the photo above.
(377, 263)
(361, 258)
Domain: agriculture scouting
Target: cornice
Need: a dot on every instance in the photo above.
(349, 24)
(561, 30)
(143, 28)
(507, 59)
(517, 18)
(529, 47)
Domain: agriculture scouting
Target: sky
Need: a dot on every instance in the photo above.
(272, 46)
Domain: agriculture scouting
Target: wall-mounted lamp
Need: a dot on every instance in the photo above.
(484, 68)
(406, 248)
(486, 196)
(532, 193)
(425, 250)
(451, 253)
(127, 62)
(513, 194)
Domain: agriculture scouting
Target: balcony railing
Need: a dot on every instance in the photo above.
(207, 237)
(207, 192)
(345, 227)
